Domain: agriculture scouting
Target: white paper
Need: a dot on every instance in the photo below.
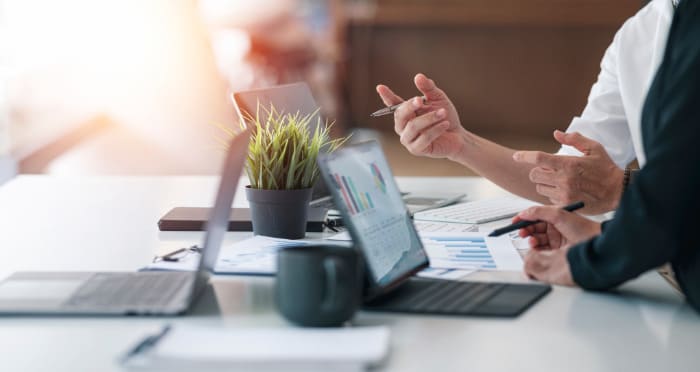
(515, 239)
(471, 251)
(269, 349)
(445, 274)
(256, 255)
(428, 226)
(342, 236)
(422, 227)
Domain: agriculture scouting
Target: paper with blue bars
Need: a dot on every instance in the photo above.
(471, 251)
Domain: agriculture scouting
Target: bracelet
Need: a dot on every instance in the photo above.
(626, 178)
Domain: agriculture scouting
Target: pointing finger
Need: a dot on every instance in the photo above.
(428, 88)
(578, 141)
(388, 96)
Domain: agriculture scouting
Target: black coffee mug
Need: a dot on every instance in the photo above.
(319, 285)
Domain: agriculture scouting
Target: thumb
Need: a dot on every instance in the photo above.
(428, 88)
(578, 141)
(388, 96)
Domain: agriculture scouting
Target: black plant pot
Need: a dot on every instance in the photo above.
(279, 213)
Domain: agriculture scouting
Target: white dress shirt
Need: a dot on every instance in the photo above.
(614, 110)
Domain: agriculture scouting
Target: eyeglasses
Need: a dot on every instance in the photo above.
(178, 254)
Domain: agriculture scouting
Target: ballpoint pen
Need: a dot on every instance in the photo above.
(522, 224)
(390, 109)
(174, 256)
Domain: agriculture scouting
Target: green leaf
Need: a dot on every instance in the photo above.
(284, 147)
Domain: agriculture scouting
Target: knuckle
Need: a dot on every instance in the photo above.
(533, 175)
(532, 211)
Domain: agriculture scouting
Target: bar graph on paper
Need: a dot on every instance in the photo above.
(470, 251)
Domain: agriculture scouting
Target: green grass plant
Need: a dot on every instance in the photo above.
(283, 147)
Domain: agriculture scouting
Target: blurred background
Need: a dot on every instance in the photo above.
(135, 87)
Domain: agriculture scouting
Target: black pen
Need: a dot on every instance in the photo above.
(522, 224)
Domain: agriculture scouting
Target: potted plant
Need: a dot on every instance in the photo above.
(282, 169)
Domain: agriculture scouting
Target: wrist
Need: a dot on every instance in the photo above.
(466, 144)
(621, 179)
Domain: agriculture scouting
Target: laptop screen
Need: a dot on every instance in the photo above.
(367, 195)
(217, 224)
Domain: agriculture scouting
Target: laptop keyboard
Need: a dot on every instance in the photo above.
(438, 297)
(129, 290)
(480, 211)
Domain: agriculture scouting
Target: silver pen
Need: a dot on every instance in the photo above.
(391, 109)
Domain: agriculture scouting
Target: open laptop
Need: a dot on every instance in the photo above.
(367, 196)
(291, 98)
(129, 293)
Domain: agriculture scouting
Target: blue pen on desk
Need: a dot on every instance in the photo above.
(522, 224)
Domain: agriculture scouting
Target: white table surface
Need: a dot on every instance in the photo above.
(109, 223)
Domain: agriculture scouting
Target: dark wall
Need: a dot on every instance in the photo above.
(503, 74)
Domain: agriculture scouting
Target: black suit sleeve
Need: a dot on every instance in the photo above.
(657, 220)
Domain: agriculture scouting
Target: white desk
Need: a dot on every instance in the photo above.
(110, 224)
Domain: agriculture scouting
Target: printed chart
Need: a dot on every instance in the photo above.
(470, 251)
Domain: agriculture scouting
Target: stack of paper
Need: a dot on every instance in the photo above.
(286, 349)
(459, 252)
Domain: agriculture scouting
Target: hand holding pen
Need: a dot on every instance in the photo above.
(521, 224)
(551, 227)
(390, 109)
(428, 125)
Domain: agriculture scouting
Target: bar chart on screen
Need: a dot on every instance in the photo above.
(470, 251)
(357, 202)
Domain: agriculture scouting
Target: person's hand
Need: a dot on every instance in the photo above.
(432, 129)
(592, 178)
(559, 229)
(551, 239)
(549, 267)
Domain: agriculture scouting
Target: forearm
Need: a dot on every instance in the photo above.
(495, 162)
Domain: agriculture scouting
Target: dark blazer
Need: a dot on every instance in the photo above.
(658, 220)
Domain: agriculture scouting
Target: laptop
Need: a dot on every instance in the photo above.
(369, 200)
(295, 97)
(129, 293)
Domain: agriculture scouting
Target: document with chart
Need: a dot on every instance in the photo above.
(471, 251)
